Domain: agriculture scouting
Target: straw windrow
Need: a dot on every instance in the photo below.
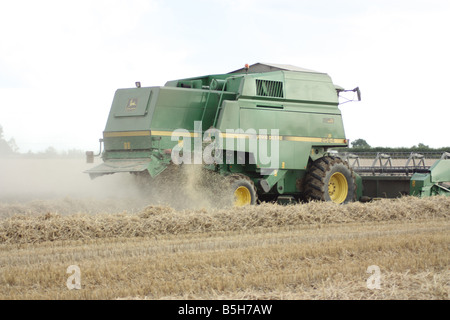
(163, 220)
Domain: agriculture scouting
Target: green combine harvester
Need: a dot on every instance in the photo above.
(272, 131)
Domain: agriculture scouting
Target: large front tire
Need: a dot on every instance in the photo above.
(330, 179)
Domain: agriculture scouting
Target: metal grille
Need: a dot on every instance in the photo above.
(269, 88)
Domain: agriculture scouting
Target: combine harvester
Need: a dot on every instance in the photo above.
(271, 131)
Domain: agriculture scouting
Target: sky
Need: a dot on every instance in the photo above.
(61, 61)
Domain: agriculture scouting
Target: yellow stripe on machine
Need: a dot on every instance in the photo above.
(114, 134)
(285, 138)
(170, 133)
(223, 135)
(314, 139)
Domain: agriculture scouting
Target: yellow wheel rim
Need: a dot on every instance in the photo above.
(242, 196)
(338, 187)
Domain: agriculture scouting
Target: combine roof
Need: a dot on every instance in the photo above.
(268, 67)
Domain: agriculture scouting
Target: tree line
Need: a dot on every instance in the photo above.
(9, 148)
(361, 145)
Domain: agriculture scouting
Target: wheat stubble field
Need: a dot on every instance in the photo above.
(185, 244)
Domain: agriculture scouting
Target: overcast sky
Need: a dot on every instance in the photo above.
(61, 61)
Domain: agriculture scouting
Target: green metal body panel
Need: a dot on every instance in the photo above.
(298, 127)
(440, 171)
(159, 109)
(359, 186)
(141, 122)
(304, 111)
(431, 184)
(420, 184)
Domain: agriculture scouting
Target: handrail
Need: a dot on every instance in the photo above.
(221, 97)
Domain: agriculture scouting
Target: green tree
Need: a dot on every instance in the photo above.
(12, 144)
(360, 143)
(51, 152)
(5, 148)
(421, 146)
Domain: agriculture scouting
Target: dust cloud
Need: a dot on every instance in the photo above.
(188, 187)
(36, 186)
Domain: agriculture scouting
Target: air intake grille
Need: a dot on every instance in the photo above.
(269, 88)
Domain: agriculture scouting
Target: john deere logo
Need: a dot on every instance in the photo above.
(132, 104)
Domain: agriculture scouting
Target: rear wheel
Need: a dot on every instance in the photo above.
(330, 179)
(243, 189)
